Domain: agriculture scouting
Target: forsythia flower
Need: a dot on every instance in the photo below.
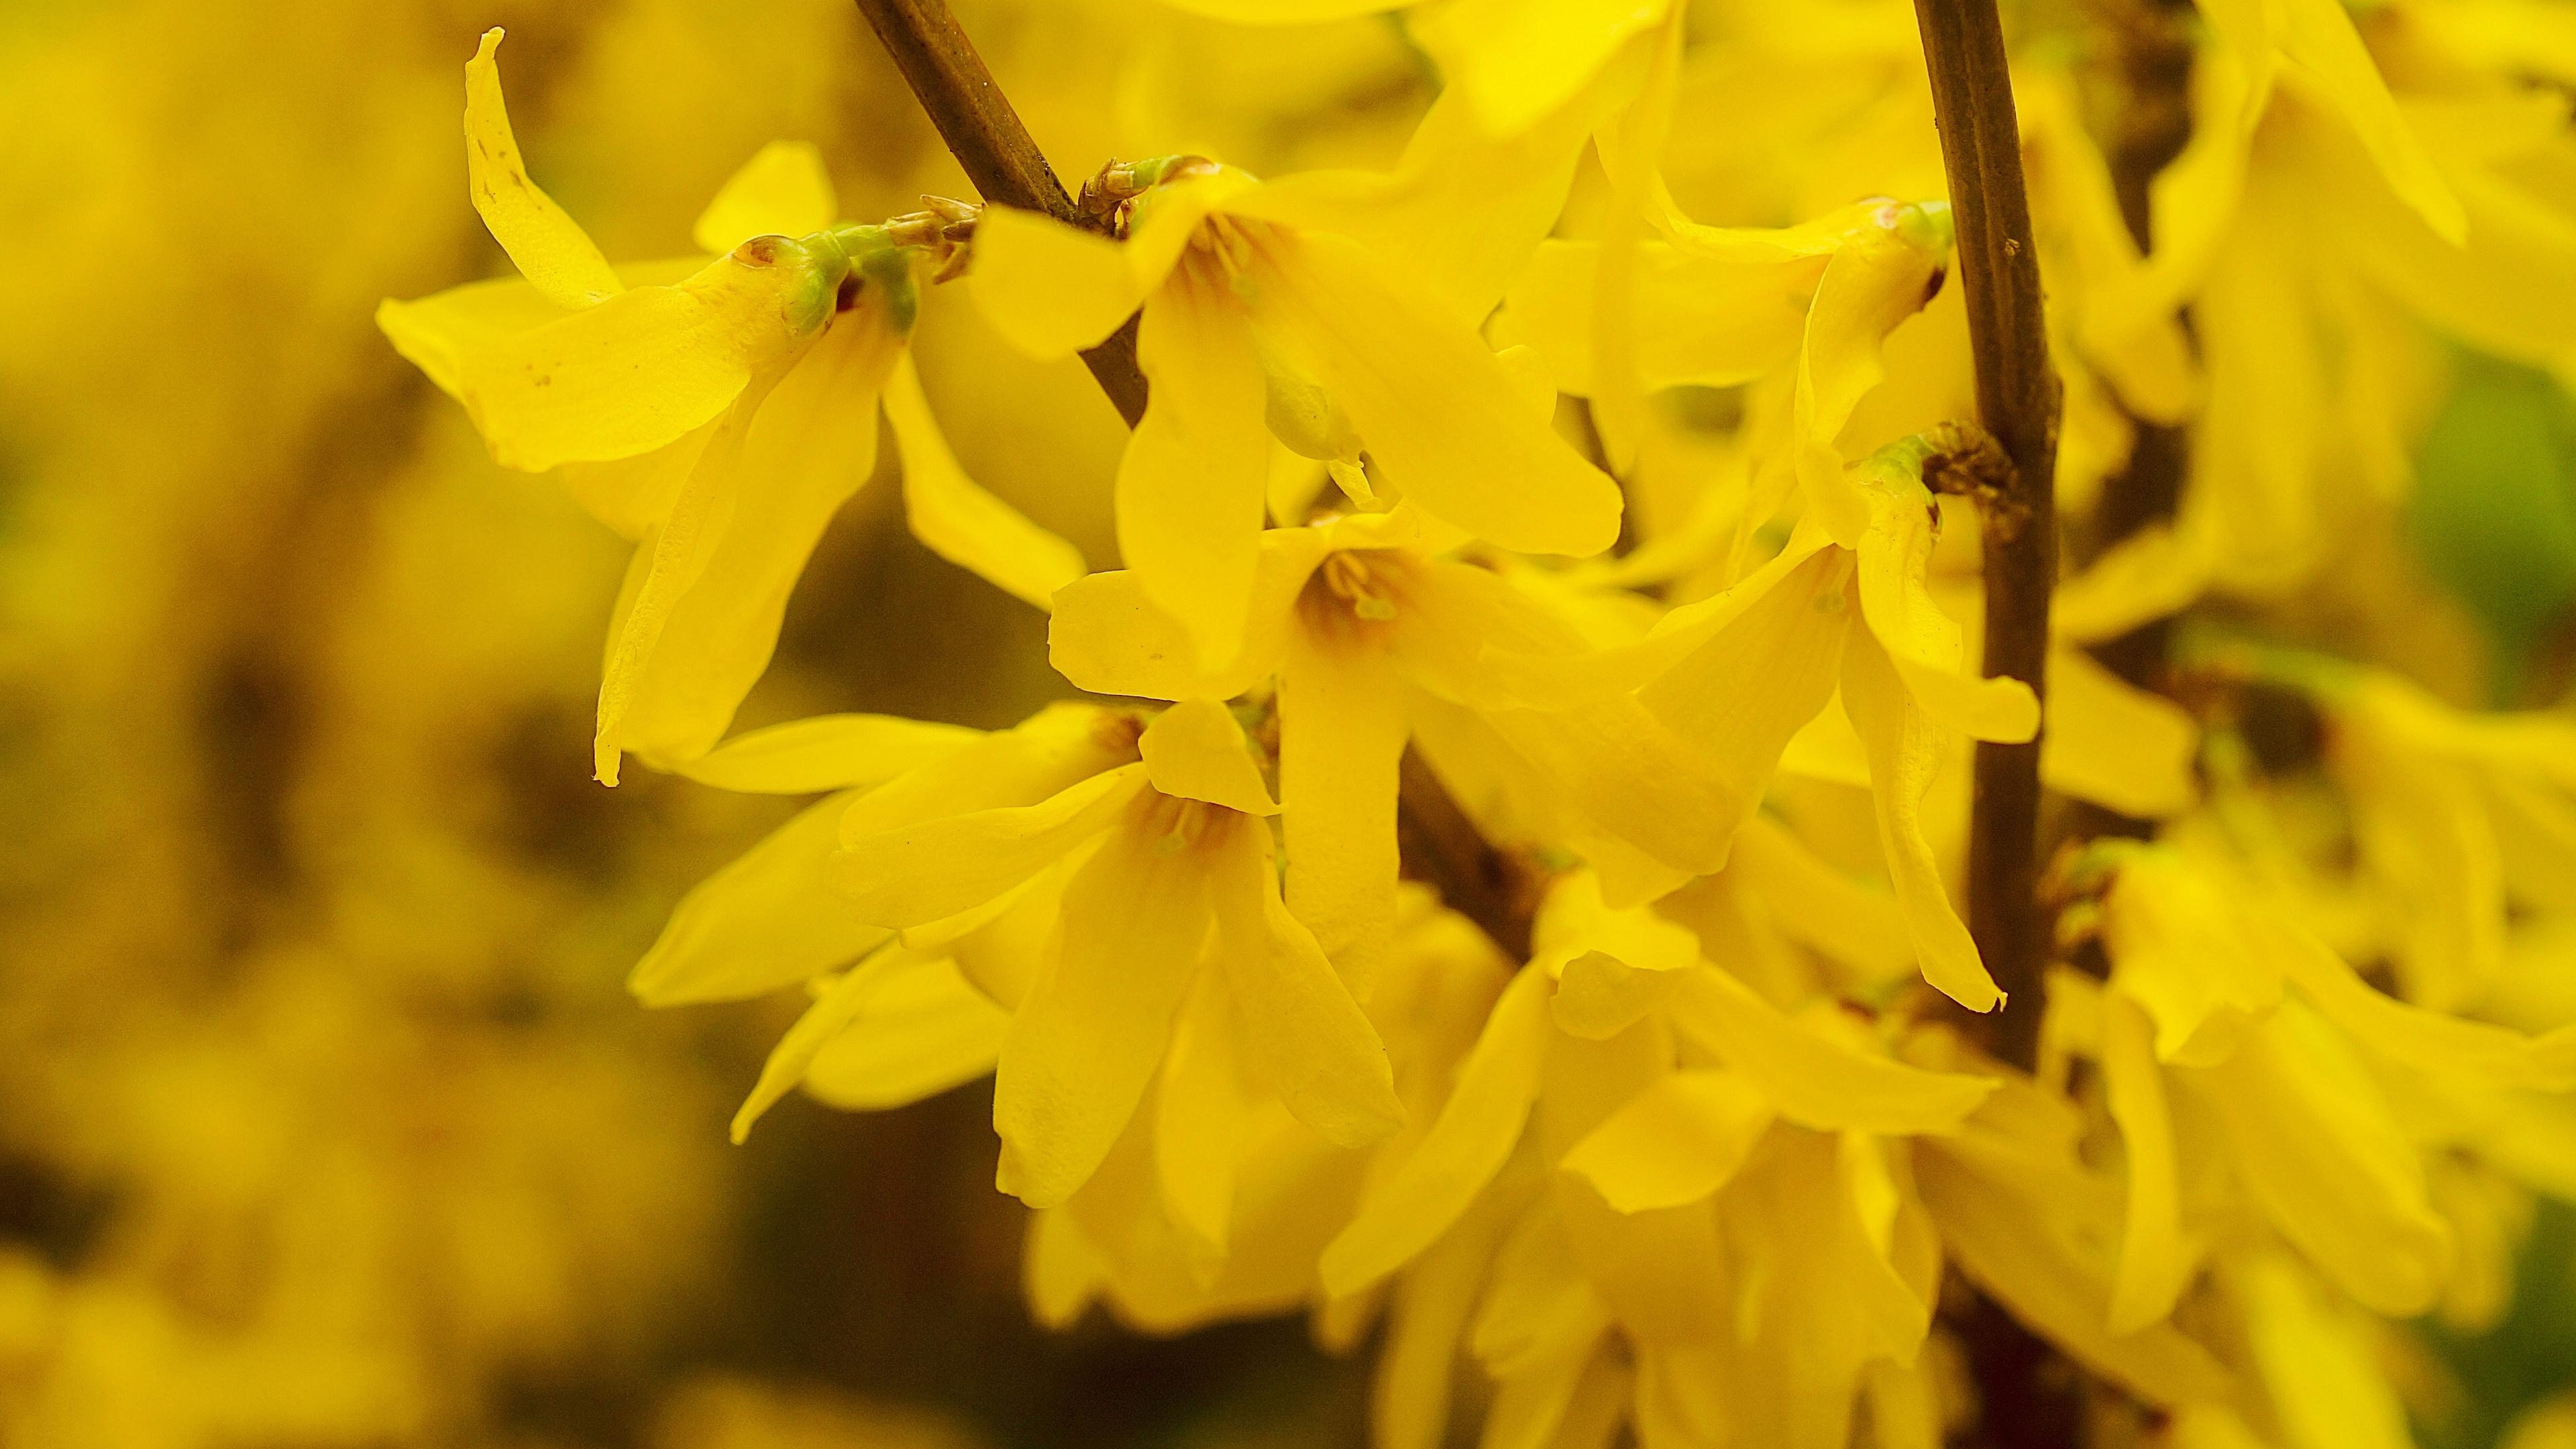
(718, 413)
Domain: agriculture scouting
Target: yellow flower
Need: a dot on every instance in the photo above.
(1739, 675)
(718, 413)
(2227, 1032)
(1373, 637)
(1653, 1193)
(1263, 317)
(1154, 886)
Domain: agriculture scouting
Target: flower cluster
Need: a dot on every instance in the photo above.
(1577, 486)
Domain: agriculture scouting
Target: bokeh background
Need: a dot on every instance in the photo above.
(325, 1119)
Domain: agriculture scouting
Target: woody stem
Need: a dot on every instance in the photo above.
(976, 121)
(985, 135)
(2017, 400)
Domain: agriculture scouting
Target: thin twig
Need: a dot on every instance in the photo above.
(996, 151)
(977, 122)
(1963, 42)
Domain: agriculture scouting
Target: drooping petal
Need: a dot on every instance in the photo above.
(826, 752)
(1305, 1037)
(645, 367)
(2445, 1047)
(811, 445)
(2156, 1261)
(1466, 1145)
(1882, 275)
(549, 247)
(1924, 643)
(2115, 744)
(783, 190)
(1191, 483)
(767, 920)
(924, 1031)
(2330, 63)
(928, 870)
(1436, 411)
(1049, 289)
(1716, 322)
(1092, 1030)
(1903, 752)
(955, 518)
(1196, 751)
(1676, 1142)
(2320, 1362)
(1518, 60)
(1108, 638)
(1426, 1321)
(1199, 1111)
(1341, 739)
(1815, 1079)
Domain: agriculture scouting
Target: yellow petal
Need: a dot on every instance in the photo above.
(1438, 413)
(1740, 696)
(1049, 289)
(2329, 62)
(2115, 744)
(767, 920)
(1712, 321)
(1283, 12)
(1599, 995)
(1308, 1041)
(1108, 638)
(783, 190)
(1517, 60)
(1466, 1145)
(1426, 1321)
(1196, 751)
(2323, 1366)
(2156, 1262)
(2012, 1246)
(826, 752)
(1877, 280)
(435, 330)
(924, 1031)
(1903, 753)
(1925, 643)
(1199, 1111)
(2320, 1153)
(2444, 1047)
(1631, 776)
(550, 248)
(1817, 1080)
(648, 365)
(1818, 905)
(667, 564)
(810, 446)
(1676, 1142)
(956, 518)
(924, 871)
(1341, 738)
(834, 1008)
(1191, 483)
(1092, 1030)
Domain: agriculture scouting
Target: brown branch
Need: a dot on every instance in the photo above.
(1963, 43)
(996, 151)
(977, 122)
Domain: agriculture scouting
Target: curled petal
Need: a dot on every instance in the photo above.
(549, 247)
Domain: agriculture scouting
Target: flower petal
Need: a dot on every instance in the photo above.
(1094, 1027)
(2156, 1261)
(1192, 481)
(549, 247)
(2115, 744)
(826, 752)
(767, 920)
(1817, 1080)
(1417, 1201)
(1306, 1038)
(783, 190)
(1199, 1112)
(924, 1031)
(956, 518)
(1676, 1142)
(928, 870)
(1050, 289)
(1436, 411)
(1196, 751)
(1342, 733)
(1903, 753)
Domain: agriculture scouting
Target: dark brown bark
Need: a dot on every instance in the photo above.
(985, 135)
(2017, 400)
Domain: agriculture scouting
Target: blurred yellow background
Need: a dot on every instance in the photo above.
(328, 1121)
